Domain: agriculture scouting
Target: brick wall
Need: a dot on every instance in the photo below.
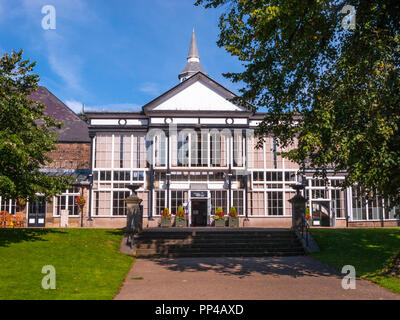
(70, 156)
(374, 224)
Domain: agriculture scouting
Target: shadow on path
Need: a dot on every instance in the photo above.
(297, 266)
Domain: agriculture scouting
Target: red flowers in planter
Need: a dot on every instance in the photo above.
(219, 214)
(181, 213)
(233, 213)
(80, 202)
(165, 213)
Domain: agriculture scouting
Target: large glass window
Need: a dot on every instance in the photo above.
(103, 151)
(160, 143)
(183, 150)
(237, 148)
(390, 214)
(258, 176)
(319, 194)
(159, 201)
(219, 199)
(375, 208)
(338, 198)
(216, 176)
(238, 201)
(102, 203)
(359, 205)
(8, 205)
(274, 176)
(139, 152)
(129, 151)
(256, 160)
(218, 149)
(199, 150)
(275, 203)
(119, 205)
(288, 204)
(178, 198)
(256, 205)
(67, 201)
(198, 177)
(122, 151)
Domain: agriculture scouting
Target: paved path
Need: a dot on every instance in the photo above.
(241, 278)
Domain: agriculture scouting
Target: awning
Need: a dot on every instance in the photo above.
(81, 175)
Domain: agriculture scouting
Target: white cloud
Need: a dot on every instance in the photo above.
(115, 107)
(150, 88)
(76, 106)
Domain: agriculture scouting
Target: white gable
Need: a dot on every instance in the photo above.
(198, 97)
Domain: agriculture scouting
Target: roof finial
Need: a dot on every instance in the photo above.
(193, 51)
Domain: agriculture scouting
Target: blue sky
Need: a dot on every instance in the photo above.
(113, 55)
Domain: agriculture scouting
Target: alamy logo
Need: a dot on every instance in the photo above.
(49, 280)
(349, 21)
(49, 20)
(349, 281)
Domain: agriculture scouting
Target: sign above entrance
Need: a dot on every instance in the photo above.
(199, 194)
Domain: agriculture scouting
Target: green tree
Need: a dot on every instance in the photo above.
(26, 134)
(334, 88)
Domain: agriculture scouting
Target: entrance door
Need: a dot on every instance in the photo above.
(37, 213)
(199, 213)
(321, 213)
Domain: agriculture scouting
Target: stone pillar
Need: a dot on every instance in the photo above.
(64, 218)
(134, 211)
(298, 210)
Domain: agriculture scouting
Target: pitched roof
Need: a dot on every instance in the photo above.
(199, 76)
(74, 128)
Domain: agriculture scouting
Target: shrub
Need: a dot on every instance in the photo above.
(232, 212)
(165, 213)
(181, 213)
(219, 214)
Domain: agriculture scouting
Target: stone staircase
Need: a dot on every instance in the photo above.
(213, 242)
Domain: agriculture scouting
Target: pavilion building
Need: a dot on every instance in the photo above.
(192, 146)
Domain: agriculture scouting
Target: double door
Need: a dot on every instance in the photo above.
(37, 213)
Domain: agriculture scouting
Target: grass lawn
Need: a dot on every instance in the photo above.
(88, 263)
(368, 250)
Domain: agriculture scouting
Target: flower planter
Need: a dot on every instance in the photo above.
(233, 222)
(220, 223)
(180, 223)
(165, 222)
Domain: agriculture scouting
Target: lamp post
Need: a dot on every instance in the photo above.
(90, 177)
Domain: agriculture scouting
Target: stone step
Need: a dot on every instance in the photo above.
(216, 250)
(215, 236)
(216, 243)
(220, 254)
(207, 233)
(219, 245)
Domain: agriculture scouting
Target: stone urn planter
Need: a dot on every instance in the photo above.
(165, 222)
(233, 222)
(180, 223)
(219, 222)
